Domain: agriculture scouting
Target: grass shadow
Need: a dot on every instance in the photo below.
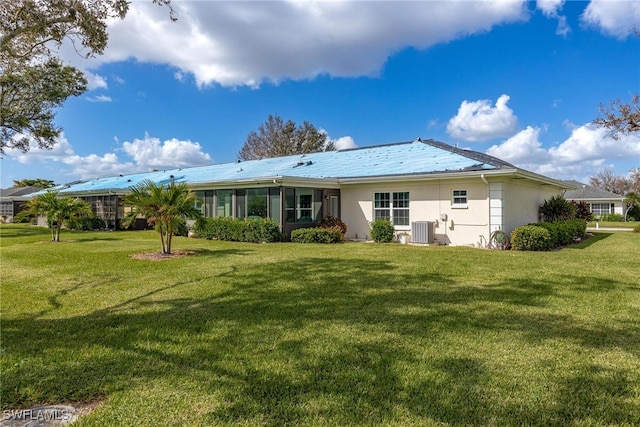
(597, 237)
(319, 339)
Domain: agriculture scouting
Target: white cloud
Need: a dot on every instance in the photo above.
(551, 9)
(145, 154)
(592, 143)
(60, 150)
(479, 121)
(151, 153)
(99, 98)
(344, 143)
(524, 149)
(95, 81)
(614, 18)
(587, 150)
(247, 43)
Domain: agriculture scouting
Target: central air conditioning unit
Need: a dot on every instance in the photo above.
(423, 232)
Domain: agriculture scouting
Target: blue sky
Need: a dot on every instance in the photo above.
(518, 80)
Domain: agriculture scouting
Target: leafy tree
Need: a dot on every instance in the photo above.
(632, 203)
(275, 138)
(33, 79)
(556, 209)
(164, 207)
(37, 182)
(28, 97)
(56, 209)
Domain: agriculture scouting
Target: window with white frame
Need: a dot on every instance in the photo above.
(393, 206)
(600, 208)
(459, 199)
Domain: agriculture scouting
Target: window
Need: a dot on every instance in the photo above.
(392, 206)
(224, 204)
(204, 203)
(334, 206)
(274, 204)
(241, 200)
(401, 208)
(600, 208)
(302, 205)
(6, 208)
(257, 202)
(459, 199)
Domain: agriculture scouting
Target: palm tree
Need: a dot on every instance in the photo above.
(56, 209)
(163, 207)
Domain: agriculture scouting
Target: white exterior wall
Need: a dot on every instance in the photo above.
(429, 201)
(522, 201)
(499, 204)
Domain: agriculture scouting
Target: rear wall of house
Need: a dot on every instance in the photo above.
(429, 201)
(522, 200)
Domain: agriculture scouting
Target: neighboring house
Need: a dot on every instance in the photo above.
(601, 202)
(12, 199)
(428, 189)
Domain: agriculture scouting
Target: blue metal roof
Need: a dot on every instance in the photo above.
(408, 158)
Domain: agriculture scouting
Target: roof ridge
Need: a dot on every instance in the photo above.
(475, 155)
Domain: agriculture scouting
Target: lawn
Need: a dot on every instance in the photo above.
(613, 224)
(293, 334)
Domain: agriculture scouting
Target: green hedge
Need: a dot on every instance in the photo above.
(612, 217)
(382, 231)
(86, 223)
(316, 235)
(545, 236)
(260, 230)
(531, 238)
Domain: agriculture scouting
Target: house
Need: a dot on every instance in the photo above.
(601, 202)
(12, 199)
(431, 191)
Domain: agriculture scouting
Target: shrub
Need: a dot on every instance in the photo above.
(86, 223)
(556, 209)
(612, 217)
(259, 230)
(262, 230)
(531, 238)
(316, 235)
(582, 210)
(180, 228)
(636, 229)
(333, 222)
(382, 231)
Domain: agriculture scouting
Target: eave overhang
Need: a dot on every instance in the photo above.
(513, 173)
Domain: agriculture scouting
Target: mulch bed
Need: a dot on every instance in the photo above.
(157, 256)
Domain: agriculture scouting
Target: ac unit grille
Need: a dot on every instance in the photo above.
(422, 232)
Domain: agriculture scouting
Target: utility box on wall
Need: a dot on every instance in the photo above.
(422, 232)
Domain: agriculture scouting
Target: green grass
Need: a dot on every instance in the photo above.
(294, 334)
(613, 224)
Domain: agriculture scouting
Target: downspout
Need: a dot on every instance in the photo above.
(482, 237)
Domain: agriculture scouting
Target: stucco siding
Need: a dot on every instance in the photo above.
(429, 201)
(522, 200)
